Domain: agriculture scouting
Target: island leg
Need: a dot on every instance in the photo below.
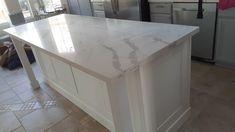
(19, 46)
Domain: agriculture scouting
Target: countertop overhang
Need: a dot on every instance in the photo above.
(107, 47)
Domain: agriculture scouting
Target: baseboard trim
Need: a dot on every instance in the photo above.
(101, 119)
(180, 121)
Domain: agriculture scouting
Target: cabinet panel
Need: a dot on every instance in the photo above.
(161, 18)
(164, 87)
(93, 92)
(99, 14)
(74, 7)
(160, 8)
(46, 65)
(65, 76)
(225, 42)
(85, 7)
(98, 6)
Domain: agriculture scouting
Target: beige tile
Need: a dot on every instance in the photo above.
(198, 102)
(221, 110)
(64, 103)
(12, 100)
(3, 86)
(34, 95)
(50, 91)
(78, 113)
(8, 122)
(183, 129)
(92, 125)
(42, 119)
(21, 88)
(5, 72)
(210, 86)
(233, 129)
(70, 124)
(199, 69)
(217, 73)
(209, 124)
(20, 129)
(7, 95)
(21, 114)
(14, 80)
(227, 94)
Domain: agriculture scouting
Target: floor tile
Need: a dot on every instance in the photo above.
(34, 95)
(70, 124)
(21, 88)
(209, 124)
(3, 86)
(221, 110)
(21, 114)
(78, 113)
(12, 100)
(92, 125)
(8, 122)
(14, 80)
(42, 119)
(200, 69)
(7, 95)
(64, 103)
(210, 86)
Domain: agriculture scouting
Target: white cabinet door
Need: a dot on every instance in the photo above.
(99, 14)
(85, 6)
(93, 92)
(45, 62)
(65, 76)
(74, 7)
(225, 46)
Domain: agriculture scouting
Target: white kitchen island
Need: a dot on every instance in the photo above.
(130, 76)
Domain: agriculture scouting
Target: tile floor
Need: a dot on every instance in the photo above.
(25, 110)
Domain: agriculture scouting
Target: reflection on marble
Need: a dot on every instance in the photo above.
(107, 47)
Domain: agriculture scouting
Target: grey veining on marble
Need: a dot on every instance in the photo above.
(107, 47)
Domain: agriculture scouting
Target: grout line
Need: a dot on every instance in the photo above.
(57, 123)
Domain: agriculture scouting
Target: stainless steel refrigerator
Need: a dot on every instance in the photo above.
(127, 9)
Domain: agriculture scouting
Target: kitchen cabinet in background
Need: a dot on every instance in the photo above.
(98, 9)
(225, 42)
(80, 7)
(161, 12)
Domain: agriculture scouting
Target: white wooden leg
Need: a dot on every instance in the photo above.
(19, 46)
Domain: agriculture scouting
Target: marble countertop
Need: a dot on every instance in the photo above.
(107, 47)
(215, 1)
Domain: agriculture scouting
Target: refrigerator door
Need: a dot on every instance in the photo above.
(74, 7)
(203, 42)
(122, 9)
(85, 7)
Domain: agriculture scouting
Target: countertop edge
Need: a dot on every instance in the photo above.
(98, 75)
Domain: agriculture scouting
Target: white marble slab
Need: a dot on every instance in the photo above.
(107, 47)
(215, 1)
